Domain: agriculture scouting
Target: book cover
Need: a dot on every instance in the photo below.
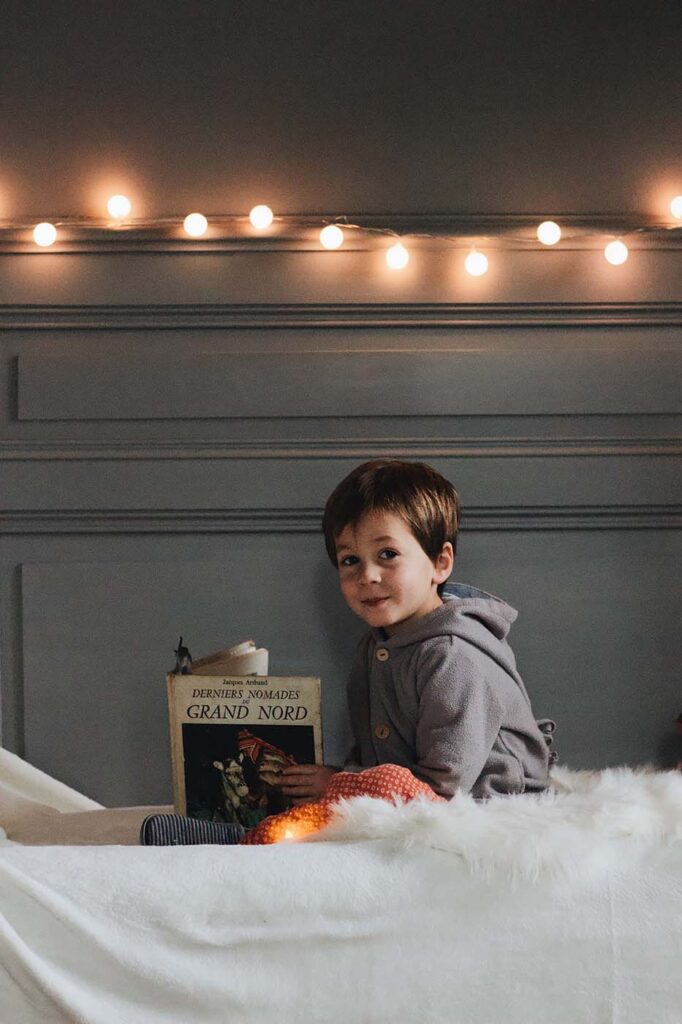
(231, 736)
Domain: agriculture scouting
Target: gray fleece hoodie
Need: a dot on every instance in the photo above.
(444, 699)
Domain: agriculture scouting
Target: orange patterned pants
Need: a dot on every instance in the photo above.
(385, 782)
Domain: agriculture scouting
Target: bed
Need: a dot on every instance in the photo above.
(565, 907)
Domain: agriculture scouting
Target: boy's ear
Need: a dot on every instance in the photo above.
(443, 563)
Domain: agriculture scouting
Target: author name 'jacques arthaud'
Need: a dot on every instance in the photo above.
(236, 712)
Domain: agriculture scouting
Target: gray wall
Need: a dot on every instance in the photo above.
(423, 106)
(173, 416)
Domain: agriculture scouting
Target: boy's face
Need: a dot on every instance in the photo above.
(386, 576)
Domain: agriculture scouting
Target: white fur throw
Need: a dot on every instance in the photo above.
(582, 827)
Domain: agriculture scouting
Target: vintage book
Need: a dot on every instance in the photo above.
(243, 659)
(231, 736)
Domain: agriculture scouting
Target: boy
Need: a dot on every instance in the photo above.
(434, 685)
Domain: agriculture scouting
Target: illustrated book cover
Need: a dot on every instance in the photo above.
(231, 736)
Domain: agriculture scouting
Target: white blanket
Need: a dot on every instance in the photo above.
(565, 908)
(23, 780)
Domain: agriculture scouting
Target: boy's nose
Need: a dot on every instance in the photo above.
(371, 574)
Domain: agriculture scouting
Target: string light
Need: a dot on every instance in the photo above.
(616, 252)
(676, 207)
(261, 217)
(397, 257)
(549, 232)
(451, 232)
(331, 237)
(44, 234)
(195, 225)
(119, 207)
(476, 263)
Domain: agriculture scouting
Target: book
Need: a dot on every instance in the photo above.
(242, 659)
(231, 736)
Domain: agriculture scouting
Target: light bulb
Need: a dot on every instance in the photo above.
(549, 232)
(476, 263)
(616, 252)
(195, 224)
(119, 207)
(397, 256)
(44, 234)
(676, 207)
(331, 237)
(261, 217)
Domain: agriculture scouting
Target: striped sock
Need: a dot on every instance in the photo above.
(178, 830)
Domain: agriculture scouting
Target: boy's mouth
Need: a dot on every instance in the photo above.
(374, 602)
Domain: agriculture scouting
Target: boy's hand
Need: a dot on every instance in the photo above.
(305, 783)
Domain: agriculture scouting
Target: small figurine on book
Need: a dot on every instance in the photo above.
(183, 660)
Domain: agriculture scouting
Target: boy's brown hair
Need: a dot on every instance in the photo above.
(424, 499)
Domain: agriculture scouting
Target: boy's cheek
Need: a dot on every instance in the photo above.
(349, 597)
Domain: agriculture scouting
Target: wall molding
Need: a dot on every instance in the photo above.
(326, 315)
(290, 520)
(338, 448)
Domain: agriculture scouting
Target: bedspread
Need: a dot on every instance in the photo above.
(448, 915)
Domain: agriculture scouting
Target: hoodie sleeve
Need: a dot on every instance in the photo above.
(459, 716)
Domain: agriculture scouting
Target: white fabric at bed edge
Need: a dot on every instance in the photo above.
(23, 780)
(21, 784)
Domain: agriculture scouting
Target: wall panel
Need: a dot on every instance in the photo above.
(274, 385)
(166, 450)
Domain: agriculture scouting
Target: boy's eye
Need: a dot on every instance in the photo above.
(349, 560)
(387, 554)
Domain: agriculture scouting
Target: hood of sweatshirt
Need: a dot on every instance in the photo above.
(481, 619)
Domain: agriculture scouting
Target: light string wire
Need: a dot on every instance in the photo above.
(567, 232)
(496, 231)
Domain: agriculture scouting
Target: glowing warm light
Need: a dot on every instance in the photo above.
(331, 237)
(288, 830)
(616, 252)
(195, 224)
(676, 207)
(44, 234)
(476, 263)
(119, 207)
(261, 217)
(549, 232)
(397, 256)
